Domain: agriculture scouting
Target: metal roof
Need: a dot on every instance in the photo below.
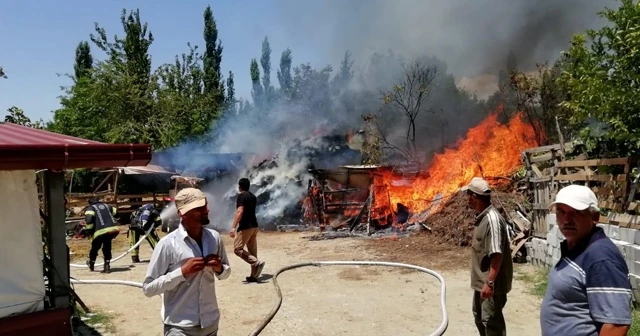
(24, 147)
(12, 134)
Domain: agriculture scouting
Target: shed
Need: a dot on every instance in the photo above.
(29, 305)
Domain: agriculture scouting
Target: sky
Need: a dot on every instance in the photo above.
(39, 38)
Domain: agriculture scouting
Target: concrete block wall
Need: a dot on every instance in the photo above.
(546, 252)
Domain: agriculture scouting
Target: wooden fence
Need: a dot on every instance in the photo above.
(548, 170)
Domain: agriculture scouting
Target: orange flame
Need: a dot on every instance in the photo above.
(488, 150)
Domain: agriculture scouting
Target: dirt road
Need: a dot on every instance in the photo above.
(318, 301)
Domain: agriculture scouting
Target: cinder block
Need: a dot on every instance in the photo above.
(551, 236)
(614, 232)
(551, 219)
(557, 253)
(636, 271)
(605, 228)
(636, 295)
(635, 281)
(624, 234)
(631, 265)
(621, 246)
(634, 252)
(635, 236)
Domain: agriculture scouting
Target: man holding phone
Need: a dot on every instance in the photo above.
(184, 266)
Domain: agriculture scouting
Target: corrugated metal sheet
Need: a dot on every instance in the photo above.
(29, 148)
(12, 134)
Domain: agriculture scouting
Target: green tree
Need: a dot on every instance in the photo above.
(213, 82)
(265, 62)
(16, 116)
(230, 99)
(602, 80)
(257, 92)
(84, 60)
(284, 75)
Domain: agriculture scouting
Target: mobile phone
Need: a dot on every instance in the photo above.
(210, 257)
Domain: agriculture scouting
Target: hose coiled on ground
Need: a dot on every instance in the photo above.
(146, 234)
(443, 291)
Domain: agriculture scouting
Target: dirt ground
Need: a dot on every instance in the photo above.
(320, 301)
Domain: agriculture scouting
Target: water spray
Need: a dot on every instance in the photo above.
(264, 322)
(146, 234)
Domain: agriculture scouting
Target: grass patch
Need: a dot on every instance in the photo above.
(537, 279)
(97, 319)
(635, 324)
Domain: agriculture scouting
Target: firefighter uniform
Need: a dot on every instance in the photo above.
(102, 228)
(141, 221)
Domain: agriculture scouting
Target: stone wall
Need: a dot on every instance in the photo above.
(546, 252)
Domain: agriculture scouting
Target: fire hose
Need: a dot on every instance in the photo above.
(443, 306)
(146, 234)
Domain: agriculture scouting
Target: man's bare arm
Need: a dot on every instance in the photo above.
(237, 217)
(614, 330)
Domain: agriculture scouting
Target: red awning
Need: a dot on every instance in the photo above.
(23, 147)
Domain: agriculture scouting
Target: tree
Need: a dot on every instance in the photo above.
(84, 60)
(602, 81)
(257, 93)
(265, 62)
(213, 82)
(409, 96)
(230, 99)
(16, 116)
(2, 74)
(284, 75)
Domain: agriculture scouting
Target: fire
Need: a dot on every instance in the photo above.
(491, 150)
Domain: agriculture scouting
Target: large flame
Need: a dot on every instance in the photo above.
(490, 150)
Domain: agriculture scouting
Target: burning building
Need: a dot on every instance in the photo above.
(373, 197)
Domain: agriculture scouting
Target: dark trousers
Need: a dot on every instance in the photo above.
(488, 314)
(104, 241)
(134, 236)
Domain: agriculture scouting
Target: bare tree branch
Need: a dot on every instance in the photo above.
(409, 96)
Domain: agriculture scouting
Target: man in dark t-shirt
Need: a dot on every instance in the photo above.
(245, 230)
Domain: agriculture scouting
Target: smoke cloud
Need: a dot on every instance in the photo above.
(474, 37)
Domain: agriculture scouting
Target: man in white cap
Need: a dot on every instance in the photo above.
(491, 264)
(184, 266)
(588, 290)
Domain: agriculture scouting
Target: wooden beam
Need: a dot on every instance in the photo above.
(591, 177)
(594, 162)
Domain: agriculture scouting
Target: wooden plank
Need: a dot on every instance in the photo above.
(537, 171)
(623, 220)
(540, 179)
(541, 158)
(542, 149)
(633, 206)
(611, 205)
(594, 163)
(590, 177)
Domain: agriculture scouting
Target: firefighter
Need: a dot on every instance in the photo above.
(141, 220)
(102, 228)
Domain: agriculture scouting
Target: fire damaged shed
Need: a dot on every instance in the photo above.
(31, 304)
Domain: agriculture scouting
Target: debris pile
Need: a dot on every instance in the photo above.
(454, 221)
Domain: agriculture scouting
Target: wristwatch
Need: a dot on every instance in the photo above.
(490, 283)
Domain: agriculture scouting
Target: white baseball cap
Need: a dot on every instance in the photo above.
(478, 186)
(576, 196)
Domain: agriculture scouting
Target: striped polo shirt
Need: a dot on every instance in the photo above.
(587, 288)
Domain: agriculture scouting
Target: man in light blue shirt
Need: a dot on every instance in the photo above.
(589, 292)
(184, 266)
